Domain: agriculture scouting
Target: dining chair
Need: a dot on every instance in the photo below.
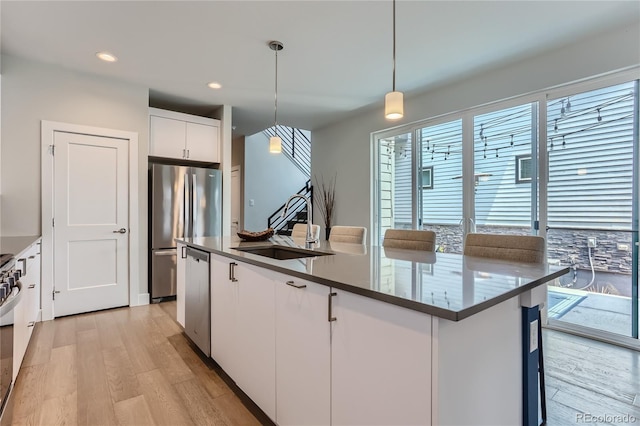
(411, 239)
(300, 231)
(519, 248)
(348, 234)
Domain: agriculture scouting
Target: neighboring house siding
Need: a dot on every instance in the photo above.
(590, 179)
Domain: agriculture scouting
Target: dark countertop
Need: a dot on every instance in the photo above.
(17, 245)
(449, 286)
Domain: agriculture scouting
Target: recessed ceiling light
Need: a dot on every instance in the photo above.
(214, 85)
(106, 56)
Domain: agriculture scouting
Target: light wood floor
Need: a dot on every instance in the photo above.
(129, 366)
(585, 376)
(134, 366)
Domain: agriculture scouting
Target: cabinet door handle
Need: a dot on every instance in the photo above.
(31, 324)
(184, 153)
(32, 286)
(187, 153)
(330, 316)
(292, 284)
(232, 272)
(184, 252)
(32, 257)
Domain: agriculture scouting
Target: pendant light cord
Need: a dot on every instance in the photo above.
(394, 45)
(275, 111)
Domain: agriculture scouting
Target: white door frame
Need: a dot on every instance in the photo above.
(240, 196)
(47, 137)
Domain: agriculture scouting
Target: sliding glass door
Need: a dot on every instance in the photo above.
(593, 209)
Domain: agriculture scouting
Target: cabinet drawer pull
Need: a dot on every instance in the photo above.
(32, 286)
(31, 324)
(330, 316)
(232, 272)
(292, 284)
(32, 257)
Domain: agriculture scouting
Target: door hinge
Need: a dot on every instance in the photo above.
(53, 222)
(52, 149)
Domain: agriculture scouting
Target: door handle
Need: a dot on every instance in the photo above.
(232, 272)
(120, 231)
(293, 284)
(330, 316)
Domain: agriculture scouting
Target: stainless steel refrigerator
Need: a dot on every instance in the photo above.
(183, 202)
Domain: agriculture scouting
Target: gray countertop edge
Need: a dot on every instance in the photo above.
(398, 301)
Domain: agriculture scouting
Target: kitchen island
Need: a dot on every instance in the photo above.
(355, 334)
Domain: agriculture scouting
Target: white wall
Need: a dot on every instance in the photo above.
(32, 92)
(269, 180)
(345, 147)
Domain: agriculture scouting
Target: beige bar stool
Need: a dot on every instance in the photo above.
(348, 234)
(410, 239)
(300, 231)
(519, 248)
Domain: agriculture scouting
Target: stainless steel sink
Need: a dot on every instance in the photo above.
(281, 252)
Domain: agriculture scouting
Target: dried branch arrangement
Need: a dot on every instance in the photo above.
(325, 196)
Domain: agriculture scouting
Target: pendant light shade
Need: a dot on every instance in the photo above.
(393, 105)
(394, 100)
(275, 143)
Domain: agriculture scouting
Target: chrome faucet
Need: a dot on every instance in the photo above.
(310, 238)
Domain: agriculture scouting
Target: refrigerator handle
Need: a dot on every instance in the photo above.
(185, 219)
(194, 198)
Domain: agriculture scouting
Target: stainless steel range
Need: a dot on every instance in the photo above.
(10, 294)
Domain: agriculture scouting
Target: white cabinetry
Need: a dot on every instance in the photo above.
(181, 277)
(380, 363)
(27, 312)
(243, 328)
(302, 352)
(183, 136)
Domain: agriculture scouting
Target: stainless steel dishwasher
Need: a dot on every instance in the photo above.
(197, 319)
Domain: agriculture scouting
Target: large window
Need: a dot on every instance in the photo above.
(562, 164)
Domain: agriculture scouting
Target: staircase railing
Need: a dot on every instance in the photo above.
(283, 225)
(295, 145)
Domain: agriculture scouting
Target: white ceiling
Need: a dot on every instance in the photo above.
(337, 55)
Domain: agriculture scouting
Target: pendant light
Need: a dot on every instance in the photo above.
(275, 143)
(393, 101)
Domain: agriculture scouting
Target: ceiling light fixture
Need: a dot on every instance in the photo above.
(106, 56)
(275, 143)
(393, 101)
(214, 85)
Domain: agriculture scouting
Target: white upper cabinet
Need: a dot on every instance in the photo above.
(183, 136)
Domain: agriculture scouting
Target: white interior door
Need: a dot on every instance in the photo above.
(235, 200)
(91, 228)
